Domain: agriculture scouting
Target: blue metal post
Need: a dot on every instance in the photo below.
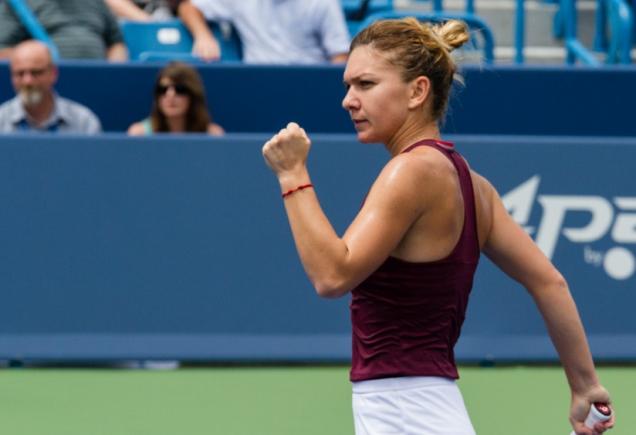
(520, 30)
(569, 17)
(34, 27)
(600, 28)
(621, 21)
(470, 6)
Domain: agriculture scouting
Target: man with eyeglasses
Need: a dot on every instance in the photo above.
(36, 106)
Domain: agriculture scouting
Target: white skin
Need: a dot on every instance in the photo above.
(174, 106)
(205, 44)
(33, 76)
(414, 211)
(128, 10)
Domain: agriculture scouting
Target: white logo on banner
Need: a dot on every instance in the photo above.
(616, 217)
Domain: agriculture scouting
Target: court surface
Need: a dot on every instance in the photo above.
(272, 400)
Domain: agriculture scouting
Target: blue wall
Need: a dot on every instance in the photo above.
(497, 100)
(115, 247)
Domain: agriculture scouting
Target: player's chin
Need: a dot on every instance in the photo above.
(366, 137)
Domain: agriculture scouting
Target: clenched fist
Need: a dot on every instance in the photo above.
(287, 150)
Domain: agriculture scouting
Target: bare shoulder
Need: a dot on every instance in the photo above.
(426, 165)
(414, 180)
(215, 130)
(483, 188)
(136, 129)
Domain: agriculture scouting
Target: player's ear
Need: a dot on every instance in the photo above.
(419, 91)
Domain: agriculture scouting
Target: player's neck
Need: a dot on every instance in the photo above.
(411, 134)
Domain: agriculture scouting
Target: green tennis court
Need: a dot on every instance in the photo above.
(272, 400)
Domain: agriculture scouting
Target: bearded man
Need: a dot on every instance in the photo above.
(36, 106)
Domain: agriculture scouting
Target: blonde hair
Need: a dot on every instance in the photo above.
(419, 49)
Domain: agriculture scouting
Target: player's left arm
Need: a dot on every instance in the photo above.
(513, 251)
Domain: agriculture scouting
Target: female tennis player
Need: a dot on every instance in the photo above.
(410, 255)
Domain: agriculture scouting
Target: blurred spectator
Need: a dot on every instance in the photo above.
(272, 31)
(37, 107)
(81, 29)
(144, 10)
(178, 104)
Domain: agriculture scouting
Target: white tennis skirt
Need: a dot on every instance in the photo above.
(412, 405)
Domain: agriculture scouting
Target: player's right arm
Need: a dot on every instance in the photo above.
(514, 252)
(205, 44)
(335, 264)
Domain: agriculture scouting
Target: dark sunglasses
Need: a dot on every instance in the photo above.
(178, 89)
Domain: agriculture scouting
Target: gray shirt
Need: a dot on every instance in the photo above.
(67, 117)
(81, 29)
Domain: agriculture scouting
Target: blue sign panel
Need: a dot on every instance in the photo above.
(577, 198)
(178, 247)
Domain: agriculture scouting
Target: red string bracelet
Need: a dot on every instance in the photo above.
(301, 187)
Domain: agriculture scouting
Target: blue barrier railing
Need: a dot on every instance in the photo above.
(33, 26)
(621, 25)
(618, 14)
(575, 50)
(613, 17)
(520, 31)
(470, 6)
(600, 26)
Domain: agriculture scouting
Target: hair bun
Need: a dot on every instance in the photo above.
(454, 33)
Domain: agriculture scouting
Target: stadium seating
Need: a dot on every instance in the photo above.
(356, 11)
(359, 9)
(613, 33)
(171, 40)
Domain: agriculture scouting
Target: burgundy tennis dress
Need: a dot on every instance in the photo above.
(406, 316)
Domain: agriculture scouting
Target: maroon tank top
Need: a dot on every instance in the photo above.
(406, 317)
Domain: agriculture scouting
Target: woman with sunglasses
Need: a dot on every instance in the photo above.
(178, 105)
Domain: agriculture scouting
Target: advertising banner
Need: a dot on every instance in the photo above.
(179, 247)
